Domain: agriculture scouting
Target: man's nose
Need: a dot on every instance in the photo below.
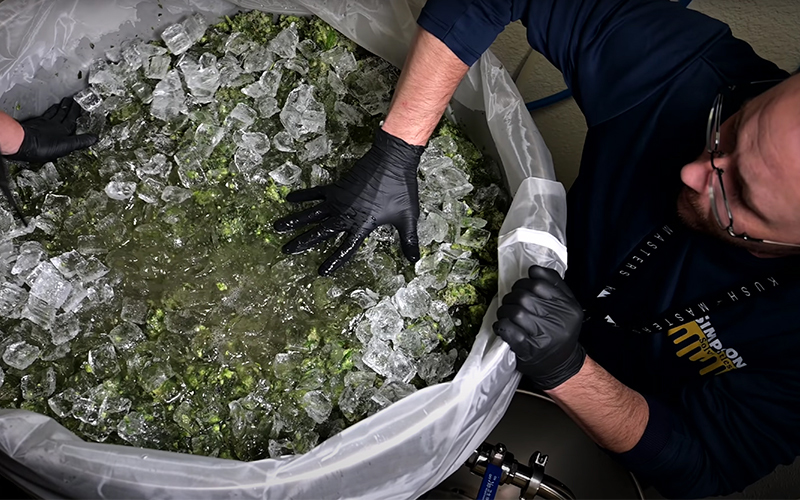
(696, 174)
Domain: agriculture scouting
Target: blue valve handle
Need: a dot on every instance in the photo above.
(490, 483)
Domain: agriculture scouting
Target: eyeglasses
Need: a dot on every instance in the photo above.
(716, 189)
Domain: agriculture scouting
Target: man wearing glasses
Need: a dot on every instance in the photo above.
(675, 345)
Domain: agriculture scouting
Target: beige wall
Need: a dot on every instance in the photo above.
(772, 27)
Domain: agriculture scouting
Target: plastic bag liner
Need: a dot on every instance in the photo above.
(400, 452)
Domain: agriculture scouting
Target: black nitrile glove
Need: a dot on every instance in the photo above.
(381, 188)
(47, 138)
(541, 320)
(52, 135)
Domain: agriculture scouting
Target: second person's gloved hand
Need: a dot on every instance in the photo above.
(541, 320)
(46, 138)
(381, 188)
(52, 135)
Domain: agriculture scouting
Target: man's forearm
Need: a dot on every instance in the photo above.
(429, 78)
(611, 413)
(11, 135)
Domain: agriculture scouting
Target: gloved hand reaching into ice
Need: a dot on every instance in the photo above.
(46, 138)
(381, 188)
(52, 135)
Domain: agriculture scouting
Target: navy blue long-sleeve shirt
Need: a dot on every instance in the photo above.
(723, 388)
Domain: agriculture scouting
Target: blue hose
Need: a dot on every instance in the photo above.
(567, 93)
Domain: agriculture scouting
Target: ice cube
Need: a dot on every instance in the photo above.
(377, 356)
(270, 81)
(12, 298)
(169, 98)
(359, 378)
(297, 65)
(39, 385)
(90, 244)
(237, 43)
(136, 429)
(28, 179)
(316, 148)
(449, 180)
(284, 142)
(364, 331)
(412, 301)
(247, 161)
(393, 391)
(120, 190)
(241, 117)
(105, 81)
(319, 176)
(131, 54)
(257, 60)
(356, 401)
(417, 340)
(88, 99)
(103, 362)
(195, 27)
(474, 238)
(65, 328)
(400, 367)
(30, 254)
(348, 114)
(62, 403)
(87, 410)
(255, 141)
(157, 67)
(336, 84)
(445, 144)
(190, 171)
(435, 367)
(373, 86)
(317, 405)
(284, 45)
(39, 311)
(308, 48)
(125, 336)
(91, 270)
(432, 227)
(365, 298)
(154, 375)
(302, 114)
(464, 271)
(441, 314)
(176, 38)
(230, 70)
(202, 78)
(133, 310)
(254, 90)
(207, 137)
(278, 448)
(342, 60)
(50, 286)
(21, 355)
(386, 321)
(268, 106)
(285, 363)
(287, 174)
(53, 353)
(175, 194)
(158, 165)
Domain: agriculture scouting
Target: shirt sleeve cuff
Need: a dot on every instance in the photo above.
(468, 36)
(656, 436)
